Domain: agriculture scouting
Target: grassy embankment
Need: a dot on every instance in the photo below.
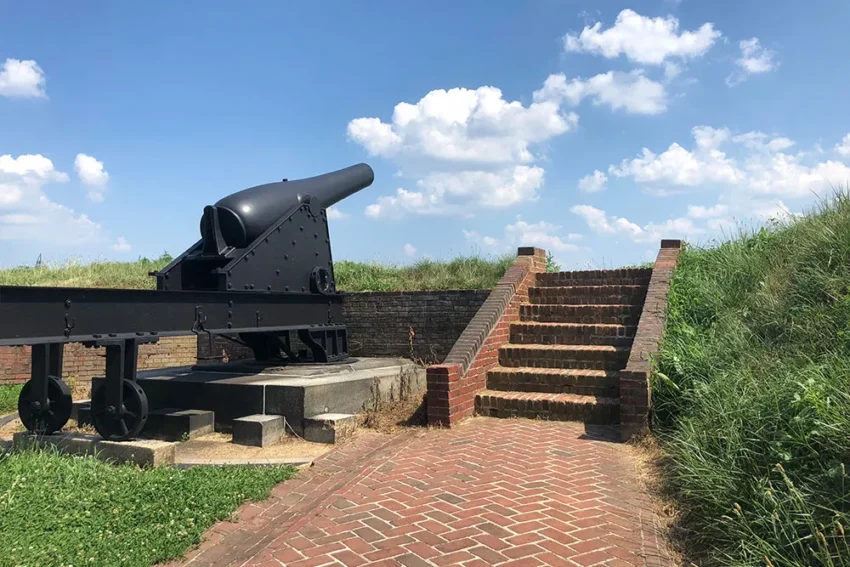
(470, 272)
(752, 397)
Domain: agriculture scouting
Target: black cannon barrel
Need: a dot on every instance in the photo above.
(245, 215)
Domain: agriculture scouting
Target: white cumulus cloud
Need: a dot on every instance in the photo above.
(377, 137)
(521, 233)
(843, 147)
(540, 234)
(645, 40)
(700, 212)
(594, 182)
(755, 59)
(756, 140)
(93, 175)
(30, 168)
(22, 79)
(631, 92)
(679, 167)
(752, 162)
(752, 171)
(28, 215)
(121, 245)
(456, 192)
(600, 222)
(786, 174)
(672, 70)
(462, 149)
(463, 126)
(477, 238)
(742, 210)
(409, 249)
(335, 213)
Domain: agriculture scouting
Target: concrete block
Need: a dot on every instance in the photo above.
(329, 427)
(228, 395)
(258, 430)
(81, 412)
(142, 452)
(179, 425)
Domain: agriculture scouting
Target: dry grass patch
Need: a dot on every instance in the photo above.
(392, 416)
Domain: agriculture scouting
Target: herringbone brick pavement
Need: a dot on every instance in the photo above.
(489, 492)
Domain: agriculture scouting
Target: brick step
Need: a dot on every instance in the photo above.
(556, 407)
(571, 334)
(587, 314)
(605, 383)
(630, 276)
(588, 294)
(595, 357)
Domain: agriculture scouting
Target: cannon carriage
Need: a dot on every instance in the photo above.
(262, 270)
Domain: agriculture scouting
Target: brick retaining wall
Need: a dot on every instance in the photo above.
(422, 325)
(81, 363)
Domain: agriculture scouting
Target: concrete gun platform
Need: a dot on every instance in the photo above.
(297, 392)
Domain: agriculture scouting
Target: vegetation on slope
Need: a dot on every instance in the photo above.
(469, 272)
(752, 394)
(120, 275)
(62, 510)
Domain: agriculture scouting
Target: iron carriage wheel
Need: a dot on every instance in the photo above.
(126, 422)
(49, 417)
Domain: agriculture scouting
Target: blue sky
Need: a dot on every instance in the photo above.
(592, 129)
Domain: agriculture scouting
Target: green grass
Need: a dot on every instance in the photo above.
(9, 397)
(60, 510)
(470, 272)
(752, 395)
(461, 273)
(124, 275)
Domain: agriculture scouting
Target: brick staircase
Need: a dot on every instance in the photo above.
(564, 355)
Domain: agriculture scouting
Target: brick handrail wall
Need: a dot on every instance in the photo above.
(453, 384)
(635, 392)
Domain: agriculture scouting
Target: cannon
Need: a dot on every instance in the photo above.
(261, 271)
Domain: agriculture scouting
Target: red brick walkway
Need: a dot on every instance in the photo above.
(490, 492)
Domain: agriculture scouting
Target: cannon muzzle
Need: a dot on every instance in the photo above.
(245, 215)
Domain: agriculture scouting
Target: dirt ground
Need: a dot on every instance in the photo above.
(217, 447)
(649, 462)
